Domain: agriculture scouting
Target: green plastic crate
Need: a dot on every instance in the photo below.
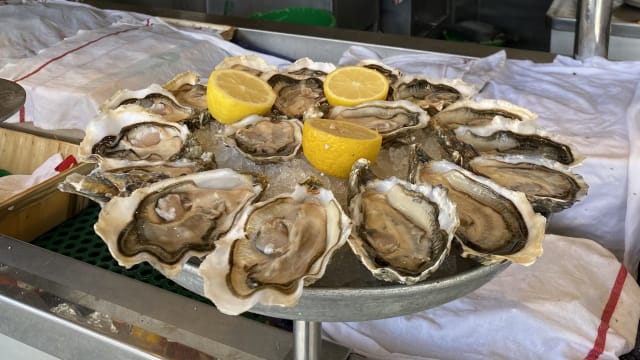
(294, 15)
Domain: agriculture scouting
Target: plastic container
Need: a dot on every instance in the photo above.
(294, 15)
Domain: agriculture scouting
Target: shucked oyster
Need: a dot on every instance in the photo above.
(250, 63)
(188, 91)
(401, 232)
(431, 95)
(129, 132)
(389, 118)
(507, 136)
(496, 223)
(115, 177)
(479, 113)
(549, 185)
(275, 248)
(169, 221)
(154, 99)
(298, 97)
(306, 68)
(265, 139)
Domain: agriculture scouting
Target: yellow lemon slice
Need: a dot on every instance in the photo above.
(353, 85)
(234, 94)
(332, 146)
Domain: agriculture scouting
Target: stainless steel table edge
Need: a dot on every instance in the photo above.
(71, 309)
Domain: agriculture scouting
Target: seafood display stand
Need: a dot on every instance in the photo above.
(346, 292)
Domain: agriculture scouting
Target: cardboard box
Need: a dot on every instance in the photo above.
(38, 209)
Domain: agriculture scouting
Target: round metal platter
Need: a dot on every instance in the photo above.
(12, 97)
(348, 291)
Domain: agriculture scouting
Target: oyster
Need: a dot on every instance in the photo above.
(401, 232)
(507, 136)
(171, 220)
(392, 74)
(549, 185)
(431, 95)
(275, 248)
(496, 223)
(442, 144)
(129, 132)
(389, 118)
(249, 63)
(188, 91)
(115, 177)
(298, 97)
(154, 99)
(306, 68)
(265, 139)
(479, 113)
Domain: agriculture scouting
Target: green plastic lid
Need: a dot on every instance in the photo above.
(294, 15)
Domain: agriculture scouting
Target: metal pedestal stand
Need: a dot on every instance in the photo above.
(360, 297)
(306, 340)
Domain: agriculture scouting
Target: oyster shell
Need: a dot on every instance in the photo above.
(388, 118)
(508, 136)
(171, 220)
(431, 95)
(306, 68)
(298, 97)
(154, 99)
(479, 113)
(249, 63)
(496, 223)
(114, 177)
(401, 232)
(275, 248)
(129, 132)
(188, 91)
(549, 185)
(392, 74)
(265, 139)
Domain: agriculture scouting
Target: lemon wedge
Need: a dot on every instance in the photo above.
(353, 85)
(332, 146)
(234, 94)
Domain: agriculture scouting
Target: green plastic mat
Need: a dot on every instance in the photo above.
(75, 238)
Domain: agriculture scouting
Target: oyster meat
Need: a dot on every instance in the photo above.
(265, 139)
(275, 248)
(507, 136)
(402, 232)
(388, 118)
(306, 68)
(188, 91)
(154, 99)
(167, 222)
(549, 185)
(431, 95)
(479, 113)
(115, 177)
(298, 97)
(496, 223)
(129, 132)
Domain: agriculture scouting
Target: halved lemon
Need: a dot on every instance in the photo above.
(332, 146)
(234, 94)
(353, 85)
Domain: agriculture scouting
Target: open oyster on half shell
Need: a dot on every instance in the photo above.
(430, 94)
(402, 232)
(130, 132)
(265, 139)
(154, 99)
(171, 220)
(275, 248)
(389, 118)
(479, 113)
(496, 223)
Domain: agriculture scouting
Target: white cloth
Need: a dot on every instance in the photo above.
(66, 82)
(550, 310)
(11, 185)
